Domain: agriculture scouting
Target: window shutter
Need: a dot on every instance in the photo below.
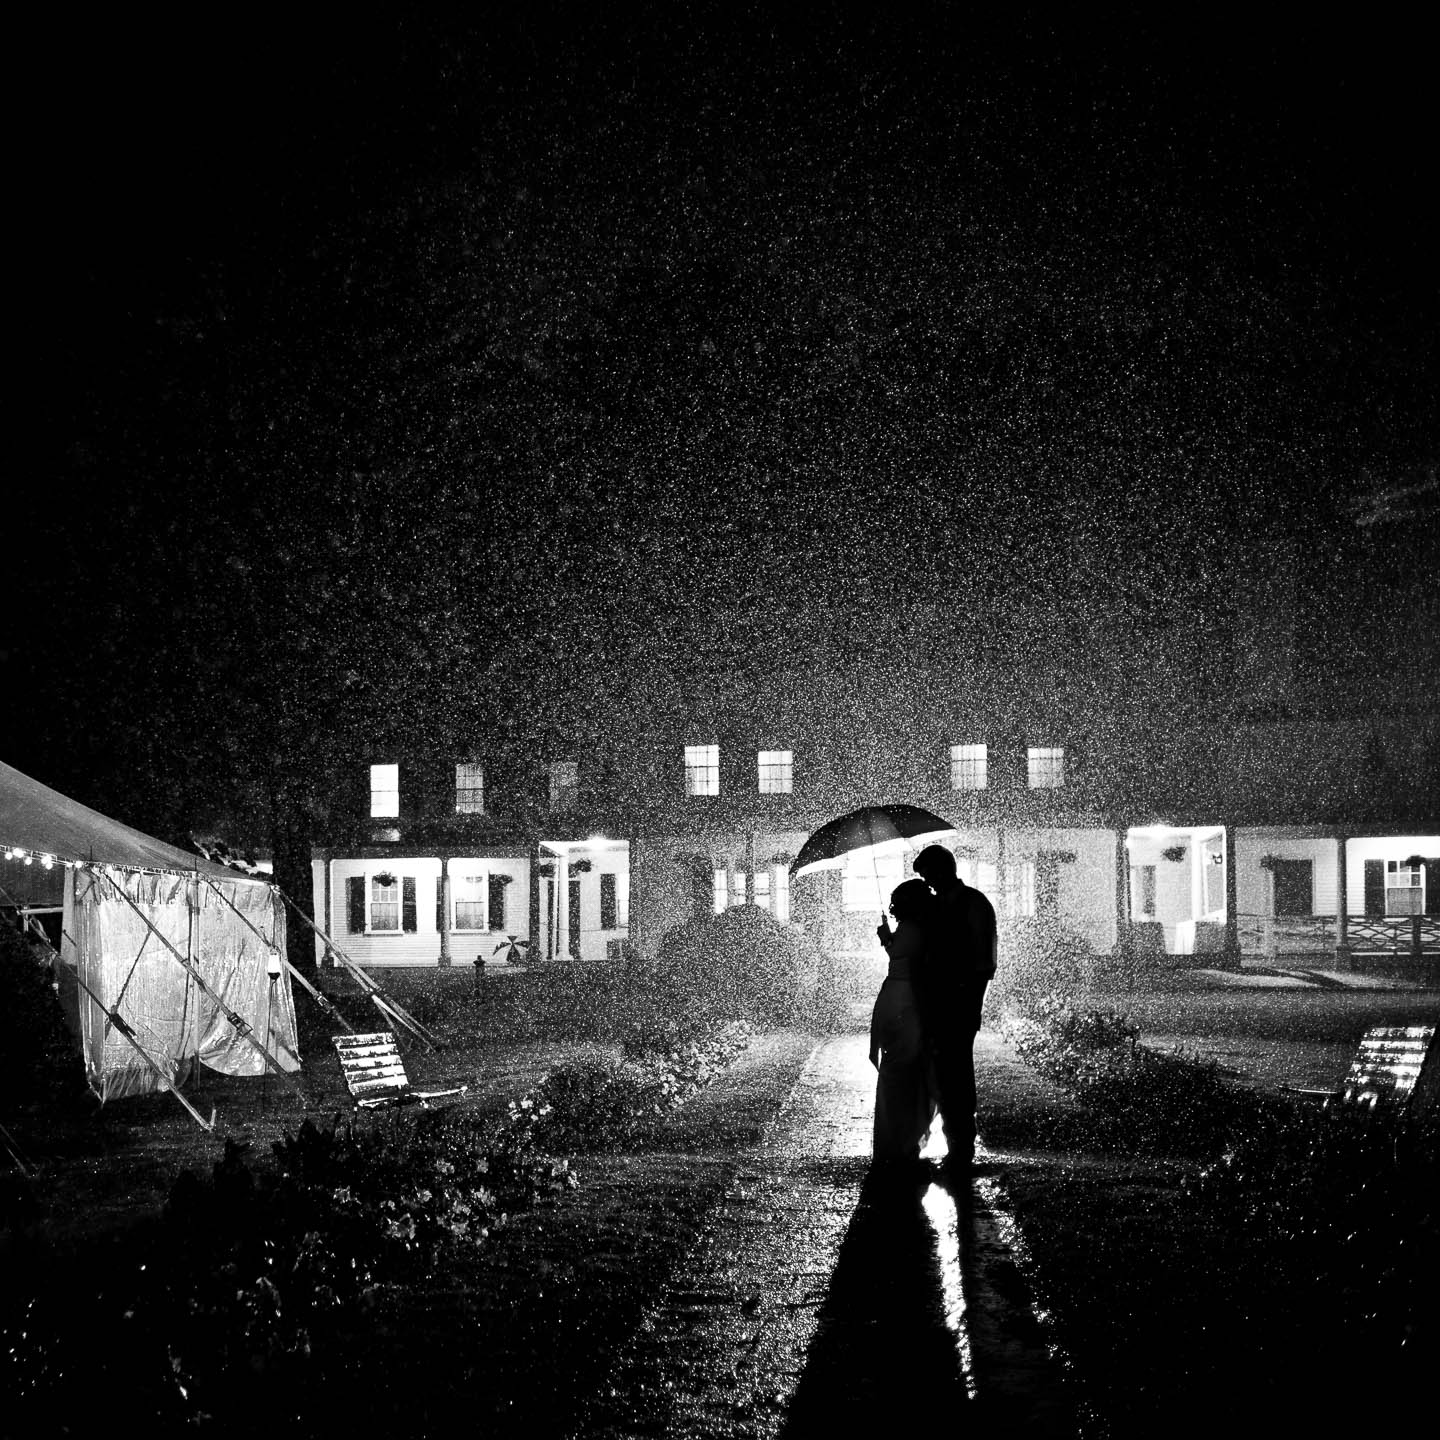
(409, 922)
(496, 907)
(355, 904)
(1374, 887)
(607, 902)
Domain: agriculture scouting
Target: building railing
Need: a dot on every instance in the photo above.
(1401, 937)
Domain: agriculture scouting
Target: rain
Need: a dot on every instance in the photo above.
(559, 389)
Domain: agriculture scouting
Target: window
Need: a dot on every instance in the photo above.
(866, 882)
(469, 789)
(762, 889)
(776, 771)
(969, 767)
(384, 792)
(564, 784)
(702, 769)
(1046, 767)
(392, 904)
(722, 891)
(1404, 893)
(470, 893)
(1022, 889)
(781, 909)
(614, 901)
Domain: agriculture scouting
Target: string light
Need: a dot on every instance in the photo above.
(49, 862)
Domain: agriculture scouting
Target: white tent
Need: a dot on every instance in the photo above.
(165, 958)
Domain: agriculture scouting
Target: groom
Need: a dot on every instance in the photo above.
(950, 993)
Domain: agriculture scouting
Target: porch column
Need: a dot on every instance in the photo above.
(1230, 957)
(1002, 875)
(560, 941)
(749, 867)
(1123, 939)
(1342, 904)
(534, 907)
(444, 911)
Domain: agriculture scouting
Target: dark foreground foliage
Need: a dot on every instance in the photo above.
(269, 1269)
(1131, 1095)
(1289, 1233)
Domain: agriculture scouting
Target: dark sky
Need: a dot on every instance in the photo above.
(240, 238)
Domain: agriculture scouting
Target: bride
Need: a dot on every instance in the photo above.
(904, 1107)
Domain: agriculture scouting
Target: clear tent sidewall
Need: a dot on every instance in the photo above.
(115, 960)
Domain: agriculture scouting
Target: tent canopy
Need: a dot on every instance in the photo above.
(165, 958)
(35, 817)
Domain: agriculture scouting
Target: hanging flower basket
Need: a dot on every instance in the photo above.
(385, 878)
(580, 867)
(1173, 853)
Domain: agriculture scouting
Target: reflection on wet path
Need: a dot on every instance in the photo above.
(822, 1301)
(882, 1353)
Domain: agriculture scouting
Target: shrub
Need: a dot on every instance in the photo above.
(739, 965)
(1038, 958)
(1169, 1102)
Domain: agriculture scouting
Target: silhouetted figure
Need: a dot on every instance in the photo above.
(958, 962)
(904, 1106)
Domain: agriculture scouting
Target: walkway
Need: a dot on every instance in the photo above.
(814, 1303)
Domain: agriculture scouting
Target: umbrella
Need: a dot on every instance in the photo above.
(869, 828)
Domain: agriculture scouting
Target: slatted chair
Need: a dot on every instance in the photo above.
(375, 1072)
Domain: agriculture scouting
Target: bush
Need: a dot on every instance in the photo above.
(740, 965)
(1167, 1102)
(1038, 958)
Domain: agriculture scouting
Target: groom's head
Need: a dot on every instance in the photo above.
(935, 865)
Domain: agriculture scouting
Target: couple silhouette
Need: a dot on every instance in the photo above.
(942, 952)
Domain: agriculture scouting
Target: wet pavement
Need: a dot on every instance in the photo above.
(818, 1301)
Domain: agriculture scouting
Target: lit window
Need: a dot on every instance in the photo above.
(722, 891)
(1046, 767)
(776, 771)
(762, 889)
(384, 791)
(564, 784)
(470, 892)
(866, 882)
(781, 909)
(469, 789)
(702, 769)
(970, 767)
(1404, 889)
(384, 902)
(1022, 889)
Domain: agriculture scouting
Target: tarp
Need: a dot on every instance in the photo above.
(35, 817)
(148, 929)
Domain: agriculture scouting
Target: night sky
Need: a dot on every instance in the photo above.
(401, 381)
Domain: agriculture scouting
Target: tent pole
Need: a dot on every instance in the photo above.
(365, 982)
(160, 1075)
(321, 999)
(237, 1023)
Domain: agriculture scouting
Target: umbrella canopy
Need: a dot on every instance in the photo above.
(866, 829)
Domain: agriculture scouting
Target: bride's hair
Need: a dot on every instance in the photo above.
(910, 900)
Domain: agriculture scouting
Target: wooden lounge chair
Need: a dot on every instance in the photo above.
(375, 1073)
